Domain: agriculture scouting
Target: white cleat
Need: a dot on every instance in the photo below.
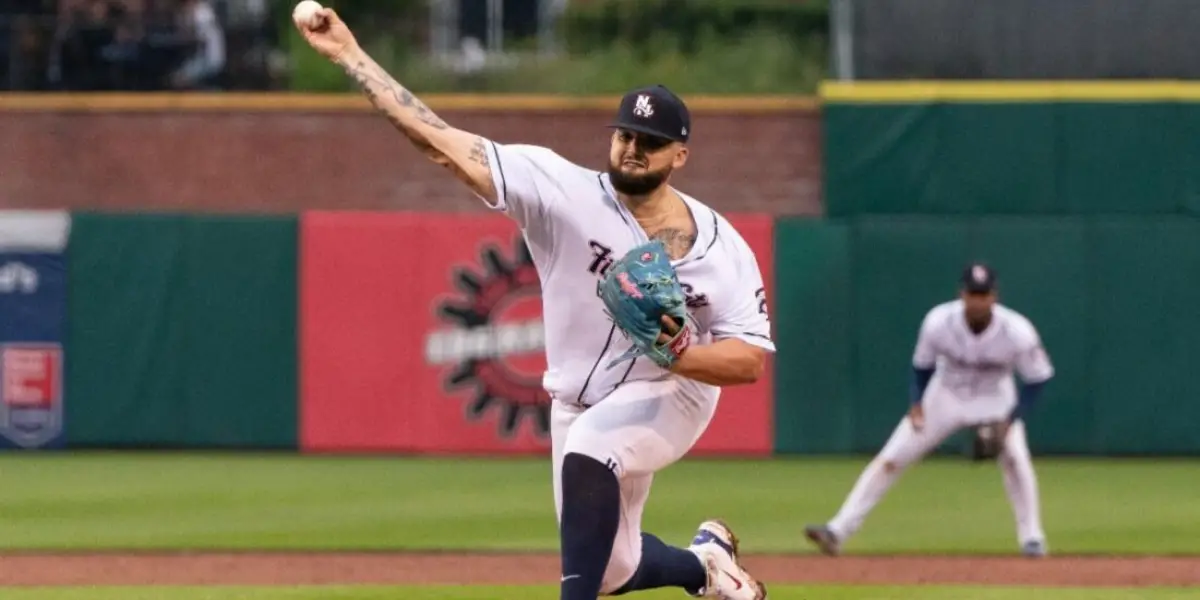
(717, 547)
(824, 538)
(1034, 549)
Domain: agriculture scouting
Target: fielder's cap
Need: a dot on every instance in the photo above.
(654, 110)
(979, 278)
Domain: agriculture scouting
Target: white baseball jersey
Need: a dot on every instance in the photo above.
(576, 228)
(980, 366)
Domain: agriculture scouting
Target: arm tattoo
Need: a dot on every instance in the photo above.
(424, 114)
(479, 152)
(367, 76)
(401, 108)
(677, 241)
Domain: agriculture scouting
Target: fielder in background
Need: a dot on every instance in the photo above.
(651, 300)
(963, 367)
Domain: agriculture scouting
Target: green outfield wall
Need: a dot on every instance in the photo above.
(182, 331)
(188, 330)
(1012, 148)
(1113, 297)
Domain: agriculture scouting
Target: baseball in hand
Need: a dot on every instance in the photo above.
(305, 14)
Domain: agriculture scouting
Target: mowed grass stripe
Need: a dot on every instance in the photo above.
(288, 502)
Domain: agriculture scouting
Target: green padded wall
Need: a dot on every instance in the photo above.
(932, 158)
(182, 331)
(1011, 149)
(1146, 329)
(1113, 299)
(813, 395)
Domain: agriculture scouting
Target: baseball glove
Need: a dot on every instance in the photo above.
(989, 440)
(642, 295)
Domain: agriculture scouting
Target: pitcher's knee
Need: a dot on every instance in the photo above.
(892, 464)
(621, 567)
(594, 446)
(1011, 458)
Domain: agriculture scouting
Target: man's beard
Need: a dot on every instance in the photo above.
(636, 185)
(979, 322)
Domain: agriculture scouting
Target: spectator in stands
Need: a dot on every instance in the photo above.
(85, 28)
(24, 43)
(203, 68)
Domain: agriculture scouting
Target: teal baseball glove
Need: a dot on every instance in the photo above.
(642, 295)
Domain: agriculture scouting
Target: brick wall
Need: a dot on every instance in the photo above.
(285, 161)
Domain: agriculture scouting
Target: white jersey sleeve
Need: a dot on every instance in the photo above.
(925, 354)
(1032, 362)
(528, 182)
(743, 312)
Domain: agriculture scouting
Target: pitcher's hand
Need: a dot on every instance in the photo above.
(916, 416)
(328, 34)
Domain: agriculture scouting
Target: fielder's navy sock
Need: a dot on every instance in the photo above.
(591, 513)
(666, 566)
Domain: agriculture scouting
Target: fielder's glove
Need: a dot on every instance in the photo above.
(989, 440)
(642, 296)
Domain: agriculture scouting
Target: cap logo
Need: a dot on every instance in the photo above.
(978, 274)
(642, 107)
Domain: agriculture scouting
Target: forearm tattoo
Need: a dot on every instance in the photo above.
(386, 94)
(677, 241)
(479, 152)
(374, 82)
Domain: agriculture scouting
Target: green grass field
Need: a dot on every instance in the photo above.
(218, 501)
(544, 593)
(235, 501)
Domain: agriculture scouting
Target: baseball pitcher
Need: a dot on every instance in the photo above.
(966, 353)
(652, 302)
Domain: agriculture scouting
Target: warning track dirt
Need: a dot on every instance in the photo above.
(316, 568)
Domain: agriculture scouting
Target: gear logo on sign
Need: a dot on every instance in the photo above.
(497, 341)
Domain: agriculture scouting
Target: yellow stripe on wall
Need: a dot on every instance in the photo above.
(296, 102)
(1008, 91)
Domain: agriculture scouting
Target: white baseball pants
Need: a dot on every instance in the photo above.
(945, 414)
(639, 429)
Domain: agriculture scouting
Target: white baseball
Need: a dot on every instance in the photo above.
(305, 13)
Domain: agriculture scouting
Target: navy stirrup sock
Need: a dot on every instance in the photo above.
(666, 566)
(591, 513)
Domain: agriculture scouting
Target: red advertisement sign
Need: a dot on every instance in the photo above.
(31, 400)
(423, 333)
(30, 374)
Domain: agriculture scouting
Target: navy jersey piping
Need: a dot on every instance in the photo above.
(637, 231)
(500, 165)
(757, 335)
(588, 381)
(627, 371)
(711, 243)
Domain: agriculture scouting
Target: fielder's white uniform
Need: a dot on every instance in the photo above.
(635, 417)
(972, 384)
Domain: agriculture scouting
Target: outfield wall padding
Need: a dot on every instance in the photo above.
(182, 331)
(1114, 300)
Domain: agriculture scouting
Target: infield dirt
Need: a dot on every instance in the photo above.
(256, 568)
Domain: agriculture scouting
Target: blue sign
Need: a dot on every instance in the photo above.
(33, 306)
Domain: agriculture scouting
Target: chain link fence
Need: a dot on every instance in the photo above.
(1014, 39)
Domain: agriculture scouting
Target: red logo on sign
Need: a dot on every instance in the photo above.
(31, 393)
(31, 376)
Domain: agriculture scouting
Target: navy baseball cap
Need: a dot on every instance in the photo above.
(654, 110)
(978, 278)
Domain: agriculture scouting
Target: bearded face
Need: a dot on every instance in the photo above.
(639, 164)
